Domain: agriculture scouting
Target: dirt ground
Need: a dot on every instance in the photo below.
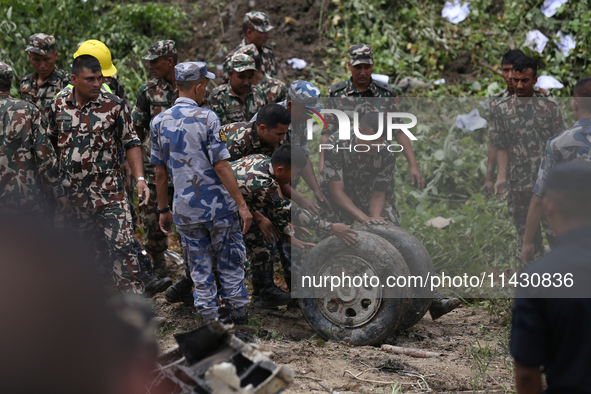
(298, 37)
(472, 344)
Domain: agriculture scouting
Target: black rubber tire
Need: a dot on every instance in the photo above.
(419, 264)
(386, 260)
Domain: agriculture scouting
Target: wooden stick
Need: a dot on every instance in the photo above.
(409, 352)
(371, 381)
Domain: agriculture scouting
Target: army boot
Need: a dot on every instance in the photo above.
(181, 291)
(160, 269)
(440, 305)
(152, 284)
(244, 336)
(256, 293)
(270, 294)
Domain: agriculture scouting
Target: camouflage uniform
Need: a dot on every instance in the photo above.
(261, 191)
(188, 141)
(361, 174)
(229, 107)
(498, 98)
(42, 95)
(522, 126)
(26, 155)
(274, 89)
(573, 144)
(243, 140)
(87, 139)
(259, 21)
(360, 54)
(153, 97)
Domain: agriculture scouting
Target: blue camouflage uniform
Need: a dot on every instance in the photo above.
(187, 140)
(573, 144)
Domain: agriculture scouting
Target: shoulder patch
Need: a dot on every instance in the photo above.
(222, 136)
(383, 85)
(338, 86)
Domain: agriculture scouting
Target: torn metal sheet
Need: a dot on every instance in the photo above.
(210, 360)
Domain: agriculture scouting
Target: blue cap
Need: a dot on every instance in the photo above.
(570, 177)
(192, 71)
(305, 93)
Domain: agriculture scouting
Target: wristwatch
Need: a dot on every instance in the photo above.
(139, 178)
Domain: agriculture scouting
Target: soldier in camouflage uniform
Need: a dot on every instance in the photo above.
(238, 100)
(359, 186)
(506, 71)
(362, 85)
(155, 97)
(523, 124)
(273, 88)
(573, 144)
(256, 27)
(261, 136)
(361, 176)
(86, 125)
(26, 155)
(41, 86)
(302, 94)
(187, 143)
(260, 179)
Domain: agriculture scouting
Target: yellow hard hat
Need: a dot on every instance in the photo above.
(99, 50)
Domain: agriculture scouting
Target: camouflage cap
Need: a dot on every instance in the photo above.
(6, 72)
(160, 48)
(305, 93)
(360, 54)
(41, 43)
(259, 21)
(242, 62)
(192, 71)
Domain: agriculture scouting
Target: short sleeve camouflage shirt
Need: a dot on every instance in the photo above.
(187, 140)
(87, 139)
(260, 190)
(26, 158)
(230, 108)
(42, 95)
(573, 144)
(522, 127)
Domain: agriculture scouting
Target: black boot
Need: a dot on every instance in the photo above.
(256, 292)
(181, 291)
(271, 295)
(152, 284)
(244, 336)
(440, 305)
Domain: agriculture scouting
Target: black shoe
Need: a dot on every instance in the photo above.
(152, 284)
(181, 291)
(244, 336)
(271, 295)
(440, 306)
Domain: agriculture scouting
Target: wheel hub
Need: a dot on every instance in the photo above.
(351, 304)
